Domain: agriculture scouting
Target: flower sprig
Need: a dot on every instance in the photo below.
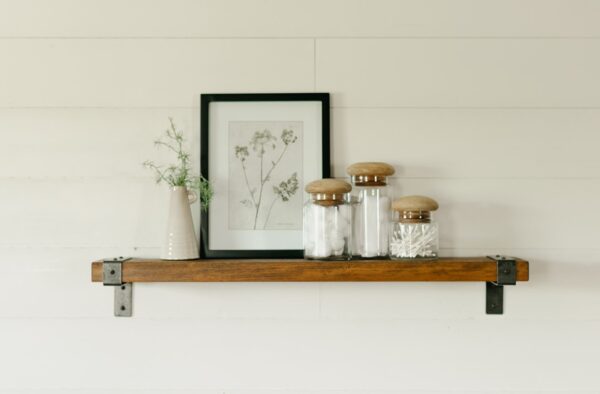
(180, 174)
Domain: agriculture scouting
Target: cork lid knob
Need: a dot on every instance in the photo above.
(415, 204)
(371, 168)
(328, 186)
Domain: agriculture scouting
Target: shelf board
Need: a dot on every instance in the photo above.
(444, 269)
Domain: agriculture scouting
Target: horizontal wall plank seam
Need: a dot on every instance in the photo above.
(103, 107)
(484, 108)
(144, 179)
(334, 107)
(145, 248)
(472, 318)
(449, 37)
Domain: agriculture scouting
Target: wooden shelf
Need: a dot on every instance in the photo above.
(496, 272)
(446, 269)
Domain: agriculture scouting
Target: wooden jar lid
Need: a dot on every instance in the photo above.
(370, 168)
(415, 203)
(328, 186)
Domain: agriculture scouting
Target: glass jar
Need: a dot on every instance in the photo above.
(413, 234)
(371, 208)
(327, 220)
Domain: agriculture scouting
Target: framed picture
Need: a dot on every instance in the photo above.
(258, 151)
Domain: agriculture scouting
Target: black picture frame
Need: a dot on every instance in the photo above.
(205, 101)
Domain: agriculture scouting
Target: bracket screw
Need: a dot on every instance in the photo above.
(112, 272)
(122, 307)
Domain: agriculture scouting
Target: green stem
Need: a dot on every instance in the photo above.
(248, 184)
(262, 184)
(276, 163)
(269, 213)
(264, 180)
(159, 142)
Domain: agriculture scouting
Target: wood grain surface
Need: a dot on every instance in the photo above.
(455, 269)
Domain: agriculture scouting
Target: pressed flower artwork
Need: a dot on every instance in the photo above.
(265, 175)
(258, 150)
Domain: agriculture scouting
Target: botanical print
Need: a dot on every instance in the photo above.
(265, 175)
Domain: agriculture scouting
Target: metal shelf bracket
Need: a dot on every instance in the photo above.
(112, 270)
(506, 274)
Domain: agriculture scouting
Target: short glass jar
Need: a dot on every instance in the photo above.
(413, 234)
(371, 208)
(327, 220)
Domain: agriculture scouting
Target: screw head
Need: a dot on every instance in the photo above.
(122, 307)
(122, 287)
(112, 272)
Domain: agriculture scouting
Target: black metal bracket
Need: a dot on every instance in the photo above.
(112, 275)
(506, 274)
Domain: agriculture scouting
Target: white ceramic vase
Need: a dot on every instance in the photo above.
(180, 242)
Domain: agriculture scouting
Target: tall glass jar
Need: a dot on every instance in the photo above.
(371, 208)
(413, 234)
(327, 220)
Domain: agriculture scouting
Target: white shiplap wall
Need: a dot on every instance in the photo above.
(491, 106)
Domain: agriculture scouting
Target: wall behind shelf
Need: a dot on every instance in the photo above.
(491, 107)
